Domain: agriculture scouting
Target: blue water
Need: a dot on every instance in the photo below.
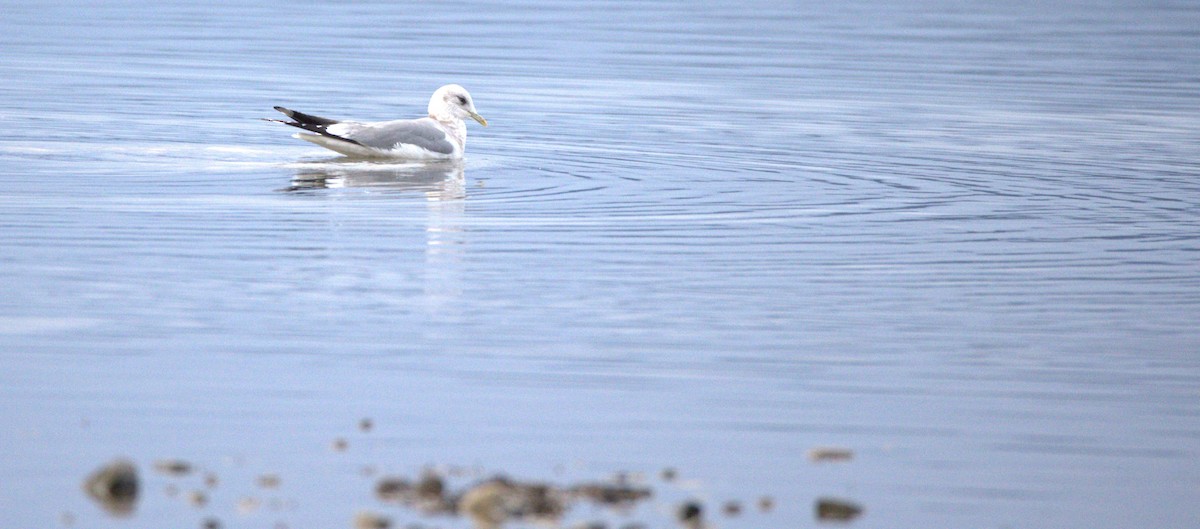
(960, 239)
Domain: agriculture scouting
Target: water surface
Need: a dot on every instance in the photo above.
(959, 239)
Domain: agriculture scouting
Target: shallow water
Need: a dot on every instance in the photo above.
(958, 239)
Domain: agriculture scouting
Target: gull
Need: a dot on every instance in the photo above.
(440, 136)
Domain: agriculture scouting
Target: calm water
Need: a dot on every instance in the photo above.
(961, 239)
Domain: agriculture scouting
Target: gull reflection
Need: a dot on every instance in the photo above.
(438, 181)
(444, 189)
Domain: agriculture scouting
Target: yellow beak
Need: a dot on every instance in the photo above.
(478, 118)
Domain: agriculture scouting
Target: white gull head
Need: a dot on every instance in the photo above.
(451, 104)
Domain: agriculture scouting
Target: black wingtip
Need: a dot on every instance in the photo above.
(287, 112)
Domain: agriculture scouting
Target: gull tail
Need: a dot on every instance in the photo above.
(310, 123)
(303, 118)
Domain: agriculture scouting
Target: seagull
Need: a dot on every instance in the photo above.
(440, 136)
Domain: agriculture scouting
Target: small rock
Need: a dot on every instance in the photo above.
(115, 487)
(211, 523)
(211, 480)
(766, 503)
(269, 481)
(430, 486)
(173, 467)
(540, 501)
(732, 508)
(690, 513)
(494, 501)
(366, 424)
(370, 520)
(669, 474)
(830, 454)
(610, 494)
(426, 495)
(340, 445)
(248, 504)
(832, 509)
(485, 504)
(393, 490)
(197, 498)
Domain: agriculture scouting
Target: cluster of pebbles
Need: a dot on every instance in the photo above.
(494, 501)
(489, 503)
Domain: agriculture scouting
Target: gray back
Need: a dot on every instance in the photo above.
(421, 132)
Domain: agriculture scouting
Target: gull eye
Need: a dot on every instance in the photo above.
(462, 100)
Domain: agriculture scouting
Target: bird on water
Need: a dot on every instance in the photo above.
(442, 135)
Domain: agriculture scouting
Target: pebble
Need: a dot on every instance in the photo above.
(766, 503)
(832, 509)
(610, 494)
(248, 504)
(732, 508)
(370, 520)
(197, 498)
(830, 454)
(173, 467)
(269, 481)
(690, 513)
(114, 486)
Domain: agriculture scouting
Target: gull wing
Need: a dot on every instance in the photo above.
(389, 135)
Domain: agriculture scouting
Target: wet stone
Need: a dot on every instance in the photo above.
(248, 504)
(427, 495)
(115, 487)
(485, 504)
(669, 474)
(610, 494)
(197, 498)
(837, 510)
(269, 481)
(690, 514)
(830, 454)
(732, 508)
(173, 467)
(766, 504)
(495, 501)
(540, 501)
(371, 520)
(393, 490)
(430, 486)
